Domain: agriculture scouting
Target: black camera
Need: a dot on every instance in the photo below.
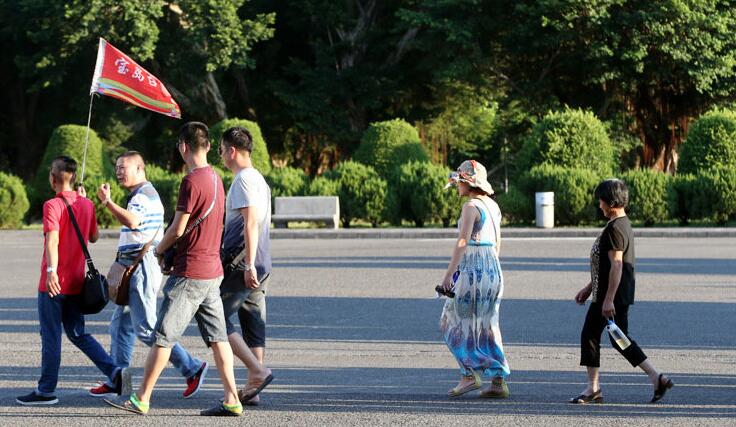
(441, 290)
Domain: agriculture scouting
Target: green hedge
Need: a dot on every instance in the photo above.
(682, 197)
(571, 139)
(13, 201)
(287, 181)
(421, 187)
(574, 191)
(68, 140)
(387, 145)
(323, 186)
(362, 192)
(105, 218)
(261, 158)
(516, 206)
(718, 192)
(167, 185)
(648, 195)
(711, 142)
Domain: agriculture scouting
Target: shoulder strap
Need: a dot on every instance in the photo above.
(145, 248)
(88, 258)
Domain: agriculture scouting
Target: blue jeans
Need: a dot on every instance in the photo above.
(138, 318)
(52, 314)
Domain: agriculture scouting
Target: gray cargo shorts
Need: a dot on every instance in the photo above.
(185, 298)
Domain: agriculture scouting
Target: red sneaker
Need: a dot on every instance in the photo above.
(194, 383)
(103, 390)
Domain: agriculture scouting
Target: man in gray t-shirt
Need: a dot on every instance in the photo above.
(243, 289)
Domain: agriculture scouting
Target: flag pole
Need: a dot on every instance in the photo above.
(86, 137)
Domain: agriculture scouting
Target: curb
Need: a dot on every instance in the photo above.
(451, 233)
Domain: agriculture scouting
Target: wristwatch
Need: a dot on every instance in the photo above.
(50, 269)
(249, 267)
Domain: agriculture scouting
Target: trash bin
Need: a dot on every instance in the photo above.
(545, 209)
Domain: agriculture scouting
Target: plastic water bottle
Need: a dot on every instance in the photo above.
(618, 335)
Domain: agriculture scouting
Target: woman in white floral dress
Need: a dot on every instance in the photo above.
(469, 321)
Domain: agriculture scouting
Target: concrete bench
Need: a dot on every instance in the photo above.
(310, 209)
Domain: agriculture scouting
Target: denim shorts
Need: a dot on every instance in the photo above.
(248, 304)
(185, 298)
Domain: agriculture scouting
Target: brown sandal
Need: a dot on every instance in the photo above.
(595, 397)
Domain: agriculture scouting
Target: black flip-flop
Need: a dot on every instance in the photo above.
(661, 388)
(250, 395)
(595, 397)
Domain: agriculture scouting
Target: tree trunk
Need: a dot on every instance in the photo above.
(661, 130)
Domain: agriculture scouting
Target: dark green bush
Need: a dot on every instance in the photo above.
(105, 219)
(574, 191)
(717, 186)
(361, 190)
(421, 185)
(711, 142)
(225, 175)
(323, 186)
(648, 197)
(68, 140)
(571, 139)
(683, 196)
(387, 145)
(167, 185)
(13, 201)
(516, 206)
(261, 158)
(287, 181)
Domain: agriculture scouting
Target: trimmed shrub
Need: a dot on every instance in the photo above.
(574, 191)
(261, 158)
(287, 181)
(570, 139)
(225, 175)
(387, 145)
(711, 142)
(421, 185)
(516, 207)
(361, 190)
(323, 186)
(683, 196)
(105, 218)
(13, 201)
(717, 187)
(167, 185)
(68, 140)
(648, 198)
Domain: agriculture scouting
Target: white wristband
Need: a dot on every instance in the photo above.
(50, 269)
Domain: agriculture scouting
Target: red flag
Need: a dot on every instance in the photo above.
(119, 76)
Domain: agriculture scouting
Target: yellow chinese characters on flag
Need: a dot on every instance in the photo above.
(120, 77)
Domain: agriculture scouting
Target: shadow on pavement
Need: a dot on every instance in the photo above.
(676, 325)
(422, 391)
(702, 266)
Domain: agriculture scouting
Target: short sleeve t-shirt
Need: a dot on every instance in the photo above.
(146, 204)
(71, 262)
(198, 252)
(249, 189)
(616, 236)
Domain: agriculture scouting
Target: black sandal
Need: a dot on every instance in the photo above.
(595, 397)
(661, 388)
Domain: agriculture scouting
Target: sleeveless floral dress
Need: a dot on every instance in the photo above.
(469, 322)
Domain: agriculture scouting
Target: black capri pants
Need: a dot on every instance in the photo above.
(590, 337)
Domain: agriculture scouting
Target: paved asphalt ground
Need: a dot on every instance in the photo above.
(353, 339)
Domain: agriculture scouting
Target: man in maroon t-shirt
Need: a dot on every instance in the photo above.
(193, 289)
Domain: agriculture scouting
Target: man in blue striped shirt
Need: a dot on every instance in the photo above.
(142, 221)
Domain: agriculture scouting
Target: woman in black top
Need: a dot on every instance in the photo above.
(612, 290)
